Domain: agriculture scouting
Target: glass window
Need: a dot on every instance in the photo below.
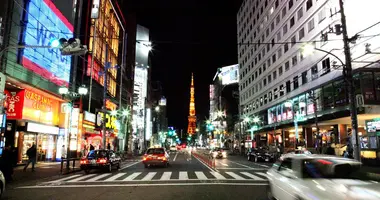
(280, 71)
(295, 82)
(293, 40)
(304, 77)
(309, 4)
(292, 22)
(287, 65)
(279, 53)
(274, 75)
(301, 33)
(311, 24)
(377, 85)
(286, 47)
(290, 4)
(367, 82)
(288, 89)
(296, 108)
(279, 113)
(328, 97)
(340, 93)
(294, 60)
(284, 11)
(285, 29)
(314, 72)
(300, 13)
(278, 19)
(302, 105)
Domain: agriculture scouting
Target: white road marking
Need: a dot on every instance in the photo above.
(223, 164)
(205, 164)
(132, 176)
(149, 176)
(130, 165)
(82, 177)
(175, 157)
(64, 179)
(183, 176)
(217, 175)
(262, 174)
(235, 176)
(232, 168)
(166, 176)
(201, 176)
(242, 165)
(112, 178)
(97, 177)
(139, 185)
(252, 176)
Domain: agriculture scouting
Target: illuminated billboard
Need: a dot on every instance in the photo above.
(45, 23)
(229, 75)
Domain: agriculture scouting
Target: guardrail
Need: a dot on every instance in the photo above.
(67, 169)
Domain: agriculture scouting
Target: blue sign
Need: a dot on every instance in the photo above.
(45, 23)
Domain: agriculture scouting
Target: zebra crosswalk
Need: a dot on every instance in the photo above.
(164, 176)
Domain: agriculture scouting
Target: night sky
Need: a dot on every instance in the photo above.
(188, 36)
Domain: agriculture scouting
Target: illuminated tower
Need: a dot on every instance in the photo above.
(192, 118)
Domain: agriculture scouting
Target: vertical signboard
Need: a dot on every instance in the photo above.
(74, 127)
(95, 9)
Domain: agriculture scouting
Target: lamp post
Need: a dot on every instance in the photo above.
(64, 91)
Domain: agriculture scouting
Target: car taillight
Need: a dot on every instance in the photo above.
(102, 160)
(83, 161)
(163, 158)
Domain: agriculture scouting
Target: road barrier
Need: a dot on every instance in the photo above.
(65, 169)
(205, 158)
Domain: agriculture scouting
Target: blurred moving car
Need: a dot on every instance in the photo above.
(156, 156)
(100, 159)
(311, 177)
(2, 184)
(173, 148)
(218, 153)
(260, 154)
(295, 152)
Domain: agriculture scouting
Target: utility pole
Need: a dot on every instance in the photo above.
(347, 73)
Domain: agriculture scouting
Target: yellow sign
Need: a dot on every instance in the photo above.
(111, 120)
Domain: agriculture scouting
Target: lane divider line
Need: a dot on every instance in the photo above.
(130, 165)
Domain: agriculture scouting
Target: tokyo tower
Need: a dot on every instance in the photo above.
(192, 118)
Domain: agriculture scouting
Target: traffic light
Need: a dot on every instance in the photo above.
(69, 47)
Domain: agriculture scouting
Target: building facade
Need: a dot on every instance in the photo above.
(33, 112)
(291, 95)
(141, 116)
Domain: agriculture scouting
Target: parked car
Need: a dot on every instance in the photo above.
(311, 177)
(100, 159)
(2, 184)
(173, 148)
(260, 154)
(156, 156)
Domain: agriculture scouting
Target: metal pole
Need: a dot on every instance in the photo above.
(349, 79)
(92, 66)
(106, 67)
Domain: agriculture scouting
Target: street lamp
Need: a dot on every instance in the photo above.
(82, 90)
(256, 119)
(126, 112)
(157, 108)
(63, 90)
(114, 112)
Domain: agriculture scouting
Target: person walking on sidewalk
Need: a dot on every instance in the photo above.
(31, 153)
(6, 164)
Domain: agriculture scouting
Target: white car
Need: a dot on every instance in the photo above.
(319, 177)
(173, 148)
(295, 152)
(2, 183)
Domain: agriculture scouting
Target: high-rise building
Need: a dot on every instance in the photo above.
(141, 123)
(283, 91)
(192, 125)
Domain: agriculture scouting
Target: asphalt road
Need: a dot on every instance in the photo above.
(185, 178)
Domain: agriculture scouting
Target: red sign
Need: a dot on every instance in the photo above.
(37, 101)
(15, 102)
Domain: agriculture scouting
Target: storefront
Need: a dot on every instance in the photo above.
(32, 118)
(111, 130)
(370, 140)
(90, 135)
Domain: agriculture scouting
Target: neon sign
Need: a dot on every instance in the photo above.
(46, 22)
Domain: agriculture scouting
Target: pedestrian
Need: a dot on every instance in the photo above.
(31, 153)
(109, 146)
(63, 152)
(7, 164)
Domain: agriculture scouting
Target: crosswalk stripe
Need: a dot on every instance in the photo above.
(97, 177)
(149, 176)
(82, 177)
(116, 176)
(183, 176)
(201, 176)
(262, 174)
(132, 176)
(217, 175)
(235, 176)
(252, 176)
(66, 178)
(166, 176)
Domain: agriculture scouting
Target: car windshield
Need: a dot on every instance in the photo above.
(97, 154)
(322, 168)
(155, 151)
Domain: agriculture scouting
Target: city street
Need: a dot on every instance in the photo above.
(185, 178)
